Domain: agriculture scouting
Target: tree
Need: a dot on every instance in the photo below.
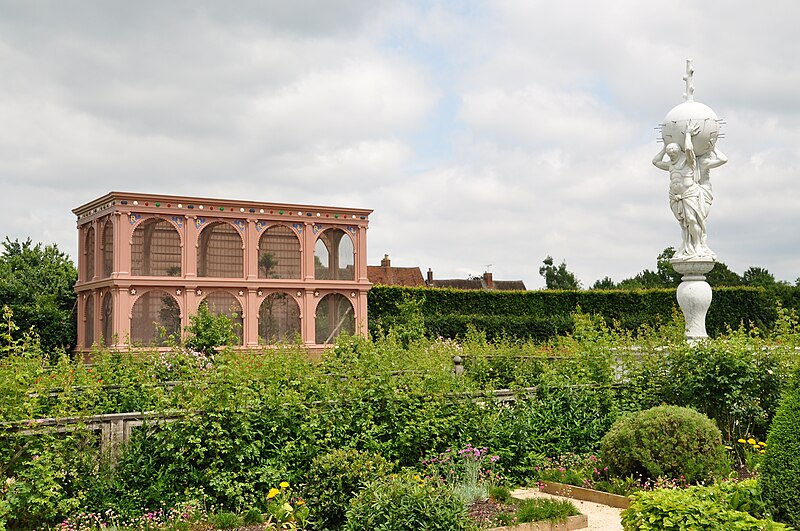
(604, 283)
(645, 280)
(758, 277)
(721, 275)
(558, 277)
(37, 283)
(669, 277)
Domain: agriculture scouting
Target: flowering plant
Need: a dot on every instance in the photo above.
(468, 471)
(286, 510)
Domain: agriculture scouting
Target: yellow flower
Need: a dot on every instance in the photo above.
(272, 493)
(762, 451)
(751, 440)
(284, 484)
(728, 447)
(741, 441)
(762, 444)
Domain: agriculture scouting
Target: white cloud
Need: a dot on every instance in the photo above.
(480, 133)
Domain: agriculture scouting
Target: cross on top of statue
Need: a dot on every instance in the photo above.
(687, 77)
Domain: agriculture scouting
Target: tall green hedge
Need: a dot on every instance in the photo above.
(542, 314)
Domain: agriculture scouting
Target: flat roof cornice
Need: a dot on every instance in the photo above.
(212, 205)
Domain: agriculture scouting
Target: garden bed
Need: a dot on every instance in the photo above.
(573, 522)
(581, 493)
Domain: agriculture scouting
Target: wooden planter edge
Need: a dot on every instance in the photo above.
(572, 523)
(584, 494)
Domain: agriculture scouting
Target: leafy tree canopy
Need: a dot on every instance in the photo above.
(666, 277)
(37, 282)
(758, 277)
(558, 277)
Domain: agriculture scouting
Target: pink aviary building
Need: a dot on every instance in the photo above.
(281, 271)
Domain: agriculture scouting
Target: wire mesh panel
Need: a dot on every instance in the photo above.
(108, 316)
(278, 319)
(279, 253)
(108, 248)
(88, 323)
(89, 253)
(334, 256)
(334, 316)
(156, 249)
(220, 252)
(223, 303)
(155, 316)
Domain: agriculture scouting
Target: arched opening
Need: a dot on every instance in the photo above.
(108, 316)
(108, 248)
(89, 253)
(219, 253)
(279, 253)
(155, 317)
(334, 316)
(334, 256)
(223, 303)
(156, 249)
(88, 321)
(278, 319)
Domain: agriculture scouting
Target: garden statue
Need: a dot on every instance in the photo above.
(690, 132)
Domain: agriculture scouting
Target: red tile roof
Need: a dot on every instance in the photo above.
(395, 276)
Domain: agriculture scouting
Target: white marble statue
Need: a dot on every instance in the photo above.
(690, 133)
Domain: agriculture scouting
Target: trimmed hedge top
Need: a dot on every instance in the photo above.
(542, 314)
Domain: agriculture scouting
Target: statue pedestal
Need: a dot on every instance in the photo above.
(694, 294)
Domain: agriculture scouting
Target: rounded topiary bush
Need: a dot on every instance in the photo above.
(667, 441)
(335, 478)
(405, 501)
(780, 469)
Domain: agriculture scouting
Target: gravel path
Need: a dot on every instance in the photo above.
(601, 517)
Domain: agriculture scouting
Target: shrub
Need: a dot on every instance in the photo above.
(225, 520)
(403, 502)
(336, 477)
(665, 441)
(695, 507)
(780, 469)
(468, 471)
(538, 509)
(208, 331)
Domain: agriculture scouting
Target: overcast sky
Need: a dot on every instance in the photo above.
(479, 132)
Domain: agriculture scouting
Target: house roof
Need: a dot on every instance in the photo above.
(395, 276)
(459, 283)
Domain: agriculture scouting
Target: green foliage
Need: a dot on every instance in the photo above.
(407, 502)
(250, 420)
(545, 314)
(252, 517)
(558, 277)
(721, 506)
(408, 323)
(335, 477)
(665, 441)
(736, 379)
(208, 331)
(225, 520)
(780, 470)
(758, 277)
(36, 282)
(541, 509)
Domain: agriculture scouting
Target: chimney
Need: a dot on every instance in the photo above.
(386, 262)
(430, 277)
(487, 279)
